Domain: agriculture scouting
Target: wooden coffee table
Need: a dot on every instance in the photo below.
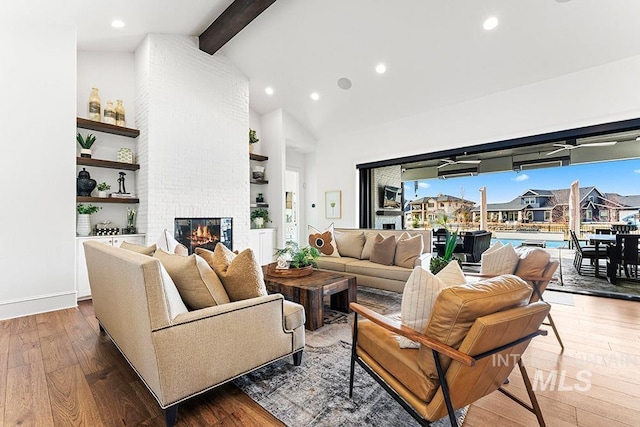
(310, 291)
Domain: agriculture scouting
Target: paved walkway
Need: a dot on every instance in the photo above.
(587, 283)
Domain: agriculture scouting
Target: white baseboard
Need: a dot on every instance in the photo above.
(38, 304)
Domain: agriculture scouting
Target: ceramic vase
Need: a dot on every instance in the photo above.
(259, 222)
(83, 225)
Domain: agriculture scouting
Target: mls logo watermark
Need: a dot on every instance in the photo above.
(558, 380)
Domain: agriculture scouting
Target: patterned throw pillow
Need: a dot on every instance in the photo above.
(240, 273)
(197, 284)
(324, 241)
(502, 260)
(420, 294)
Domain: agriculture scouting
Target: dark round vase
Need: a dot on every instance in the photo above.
(84, 183)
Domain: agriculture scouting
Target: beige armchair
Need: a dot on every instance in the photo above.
(179, 353)
(475, 337)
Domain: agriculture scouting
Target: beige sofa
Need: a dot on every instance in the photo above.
(388, 277)
(179, 353)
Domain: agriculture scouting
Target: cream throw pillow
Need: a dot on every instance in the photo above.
(408, 249)
(419, 295)
(324, 241)
(533, 262)
(197, 284)
(350, 243)
(141, 249)
(169, 244)
(383, 250)
(499, 261)
(241, 274)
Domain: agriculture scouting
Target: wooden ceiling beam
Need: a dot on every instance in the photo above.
(230, 22)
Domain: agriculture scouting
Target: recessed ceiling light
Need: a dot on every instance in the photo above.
(490, 23)
(117, 23)
(381, 68)
(269, 90)
(315, 96)
(344, 83)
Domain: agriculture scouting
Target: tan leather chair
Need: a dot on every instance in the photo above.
(475, 336)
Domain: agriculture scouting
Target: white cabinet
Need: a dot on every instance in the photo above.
(263, 243)
(83, 291)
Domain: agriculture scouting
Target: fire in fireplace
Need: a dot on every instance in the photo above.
(204, 232)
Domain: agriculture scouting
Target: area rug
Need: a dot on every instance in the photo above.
(317, 392)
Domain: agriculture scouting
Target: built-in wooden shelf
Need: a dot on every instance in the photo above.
(259, 205)
(85, 161)
(258, 157)
(259, 181)
(105, 127)
(84, 199)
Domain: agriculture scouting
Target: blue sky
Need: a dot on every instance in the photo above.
(622, 177)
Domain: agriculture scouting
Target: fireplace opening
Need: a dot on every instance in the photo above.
(204, 232)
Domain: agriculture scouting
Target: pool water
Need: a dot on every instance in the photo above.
(515, 242)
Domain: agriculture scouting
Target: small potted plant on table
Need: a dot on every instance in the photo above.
(293, 261)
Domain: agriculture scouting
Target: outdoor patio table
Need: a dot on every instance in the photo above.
(596, 239)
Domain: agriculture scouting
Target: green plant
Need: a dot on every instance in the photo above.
(260, 213)
(103, 186)
(299, 257)
(85, 142)
(437, 263)
(252, 136)
(87, 209)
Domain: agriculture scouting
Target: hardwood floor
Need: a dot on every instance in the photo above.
(57, 370)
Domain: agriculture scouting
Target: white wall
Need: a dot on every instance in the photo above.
(597, 95)
(37, 168)
(113, 74)
(271, 125)
(193, 113)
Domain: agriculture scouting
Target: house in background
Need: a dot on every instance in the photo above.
(427, 209)
(552, 206)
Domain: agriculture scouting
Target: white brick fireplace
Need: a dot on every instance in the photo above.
(193, 113)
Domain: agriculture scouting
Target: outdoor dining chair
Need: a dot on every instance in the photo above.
(623, 256)
(585, 252)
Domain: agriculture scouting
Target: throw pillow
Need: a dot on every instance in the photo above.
(350, 243)
(408, 250)
(141, 249)
(241, 274)
(383, 250)
(197, 283)
(499, 261)
(370, 240)
(419, 295)
(533, 261)
(167, 243)
(324, 241)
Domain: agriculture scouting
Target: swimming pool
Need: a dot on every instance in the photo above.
(517, 242)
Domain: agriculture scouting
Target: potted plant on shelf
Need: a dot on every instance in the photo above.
(437, 263)
(83, 227)
(259, 217)
(293, 261)
(102, 189)
(252, 139)
(86, 144)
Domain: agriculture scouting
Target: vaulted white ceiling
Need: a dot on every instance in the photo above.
(436, 52)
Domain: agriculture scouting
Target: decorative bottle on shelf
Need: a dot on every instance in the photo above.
(84, 183)
(109, 114)
(120, 113)
(94, 105)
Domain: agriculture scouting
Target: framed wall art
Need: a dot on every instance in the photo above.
(333, 204)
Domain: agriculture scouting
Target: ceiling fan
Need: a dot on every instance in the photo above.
(453, 161)
(572, 145)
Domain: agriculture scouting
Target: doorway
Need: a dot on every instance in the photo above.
(291, 212)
